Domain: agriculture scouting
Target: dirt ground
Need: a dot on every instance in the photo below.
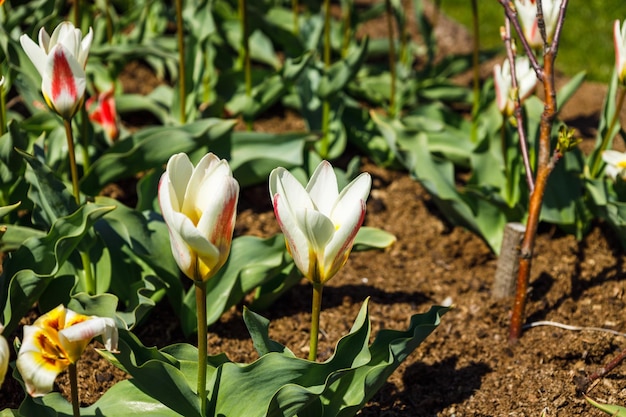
(466, 367)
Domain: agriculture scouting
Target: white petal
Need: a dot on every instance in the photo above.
(87, 330)
(85, 44)
(38, 375)
(317, 228)
(297, 243)
(219, 207)
(614, 157)
(322, 187)
(38, 56)
(4, 357)
(179, 170)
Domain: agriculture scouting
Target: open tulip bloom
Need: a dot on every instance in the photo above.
(319, 224)
(527, 11)
(55, 341)
(60, 60)
(199, 206)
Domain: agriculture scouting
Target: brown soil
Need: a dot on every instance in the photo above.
(466, 367)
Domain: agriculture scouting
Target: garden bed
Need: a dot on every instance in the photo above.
(466, 367)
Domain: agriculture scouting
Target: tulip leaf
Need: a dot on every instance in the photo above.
(140, 260)
(341, 72)
(26, 285)
(145, 150)
(373, 238)
(252, 262)
(254, 155)
(613, 410)
(278, 384)
(15, 236)
(49, 195)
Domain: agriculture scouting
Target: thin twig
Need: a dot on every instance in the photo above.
(523, 144)
(572, 327)
(512, 16)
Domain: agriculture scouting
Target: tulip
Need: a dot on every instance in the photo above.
(60, 60)
(199, 207)
(615, 164)
(320, 225)
(4, 356)
(527, 11)
(55, 341)
(318, 222)
(619, 39)
(101, 110)
(527, 79)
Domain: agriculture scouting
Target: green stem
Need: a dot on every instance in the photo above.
(294, 7)
(3, 111)
(72, 154)
(181, 61)
(476, 65)
(392, 60)
(347, 29)
(74, 389)
(315, 319)
(89, 282)
(109, 22)
(597, 158)
(202, 342)
(324, 145)
(85, 139)
(77, 14)
(245, 51)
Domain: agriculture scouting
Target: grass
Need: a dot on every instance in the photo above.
(586, 42)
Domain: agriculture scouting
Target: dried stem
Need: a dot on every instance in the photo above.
(74, 389)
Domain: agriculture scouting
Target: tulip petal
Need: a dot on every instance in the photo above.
(38, 57)
(87, 330)
(35, 363)
(297, 242)
(174, 180)
(322, 187)
(317, 228)
(4, 356)
(44, 40)
(63, 82)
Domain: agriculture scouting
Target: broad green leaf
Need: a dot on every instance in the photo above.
(341, 72)
(34, 264)
(252, 262)
(567, 91)
(278, 384)
(49, 194)
(254, 155)
(15, 236)
(151, 148)
(373, 238)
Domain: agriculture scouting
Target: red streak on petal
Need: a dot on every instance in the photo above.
(62, 76)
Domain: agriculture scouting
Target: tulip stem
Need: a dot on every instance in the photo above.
(85, 139)
(324, 145)
(73, 167)
(74, 389)
(392, 59)
(597, 158)
(202, 342)
(476, 68)
(315, 319)
(182, 88)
